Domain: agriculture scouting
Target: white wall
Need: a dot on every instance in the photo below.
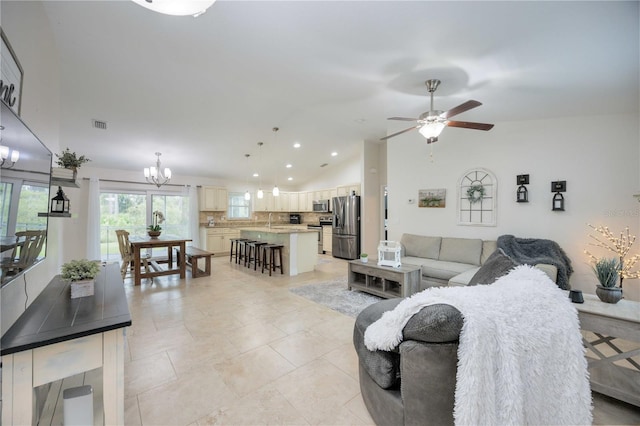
(29, 34)
(597, 156)
(332, 176)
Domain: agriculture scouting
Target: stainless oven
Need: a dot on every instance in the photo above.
(319, 229)
(321, 206)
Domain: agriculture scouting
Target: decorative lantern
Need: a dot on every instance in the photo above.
(558, 199)
(522, 194)
(389, 254)
(60, 203)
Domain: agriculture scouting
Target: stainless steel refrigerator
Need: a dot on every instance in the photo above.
(346, 227)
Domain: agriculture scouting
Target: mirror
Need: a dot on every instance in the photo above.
(25, 174)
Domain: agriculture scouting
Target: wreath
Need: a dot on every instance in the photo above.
(475, 193)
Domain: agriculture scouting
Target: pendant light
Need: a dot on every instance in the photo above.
(276, 191)
(247, 195)
(260, 192)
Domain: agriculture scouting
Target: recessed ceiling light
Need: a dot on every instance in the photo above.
(296, 145)
(289, 166)
(333, 154)
(289, 178)
(255, 175)
(360, 120)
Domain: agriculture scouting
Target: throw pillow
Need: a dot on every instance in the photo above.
(496, 265)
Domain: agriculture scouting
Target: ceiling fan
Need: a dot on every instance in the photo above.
(431, 123)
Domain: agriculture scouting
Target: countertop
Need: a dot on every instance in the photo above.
(278, 230)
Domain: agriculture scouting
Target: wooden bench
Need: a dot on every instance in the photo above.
(192, 254)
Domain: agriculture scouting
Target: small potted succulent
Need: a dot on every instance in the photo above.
(364, 257)
(82, 275)
(608, 272)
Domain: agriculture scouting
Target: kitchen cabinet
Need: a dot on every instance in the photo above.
(264, 204)
(213, 198)
(294, 202)
(281, 202)
(327, 238)
(218, 240)
(348, 189)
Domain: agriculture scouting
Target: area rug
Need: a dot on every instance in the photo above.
(334, 295)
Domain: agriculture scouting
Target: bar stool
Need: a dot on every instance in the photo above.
(241, 244)
(252, 254)
(231, 253)
(268, 257)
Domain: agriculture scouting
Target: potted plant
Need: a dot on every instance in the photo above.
(608, 271)
(82, 275)
(154, 230)
(364, 257)
(68, 160)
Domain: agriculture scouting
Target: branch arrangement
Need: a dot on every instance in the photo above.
(620, 246)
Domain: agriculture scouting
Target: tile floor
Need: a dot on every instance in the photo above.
(238, 348)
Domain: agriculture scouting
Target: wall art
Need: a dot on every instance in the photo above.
(10, 76)
(432, 197)
(477, 190)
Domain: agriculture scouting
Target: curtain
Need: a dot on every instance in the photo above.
(194, 217)
(93, 220)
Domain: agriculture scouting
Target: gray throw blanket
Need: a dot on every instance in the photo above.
(532, 251)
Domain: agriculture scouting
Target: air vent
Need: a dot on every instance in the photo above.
(102, 125)
(324, 165)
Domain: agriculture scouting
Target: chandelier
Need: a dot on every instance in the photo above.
(194, 8)
(156, 175)
(5, 158)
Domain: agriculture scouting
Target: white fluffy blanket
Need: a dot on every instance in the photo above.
(520, 354)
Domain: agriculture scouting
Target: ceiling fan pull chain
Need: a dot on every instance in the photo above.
(431, 153)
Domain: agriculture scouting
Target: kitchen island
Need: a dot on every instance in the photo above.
(300, 253)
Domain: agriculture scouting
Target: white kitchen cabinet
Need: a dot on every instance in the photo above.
(264, 204)
(348, 189)
(281, 202)
(294, 202)
(219, 239)
(213, 198)
(327, 238)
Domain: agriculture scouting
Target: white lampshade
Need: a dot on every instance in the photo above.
(177, 7)
(247, 195)
(260, 193)
(433, 129)
(276, 191)
(146, 172)
(15, 155)
(4, 152)
(167, 173)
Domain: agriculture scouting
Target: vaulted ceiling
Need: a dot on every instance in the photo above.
(204, 91)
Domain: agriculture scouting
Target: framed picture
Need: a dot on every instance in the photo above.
(432, 197)
(10, 76)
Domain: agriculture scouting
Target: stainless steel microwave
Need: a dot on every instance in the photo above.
(321, 206)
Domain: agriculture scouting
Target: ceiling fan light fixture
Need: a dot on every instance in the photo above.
(194, 8)
(432, 129)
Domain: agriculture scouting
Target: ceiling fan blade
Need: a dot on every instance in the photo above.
(398, 133)
(470, 125)
(402, 118)
(460, 109)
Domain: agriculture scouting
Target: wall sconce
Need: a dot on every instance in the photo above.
(522, 194)
(60, 203)
(558, 200)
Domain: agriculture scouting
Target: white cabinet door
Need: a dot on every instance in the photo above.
(327, 237)
(213, 198)
(281, 202)
(294, 202)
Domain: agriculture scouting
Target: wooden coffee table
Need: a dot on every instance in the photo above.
(384, 281)
(609, 322)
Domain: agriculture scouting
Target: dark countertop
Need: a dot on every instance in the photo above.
(54, 317)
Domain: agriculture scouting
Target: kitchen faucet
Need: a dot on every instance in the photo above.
(269, 223)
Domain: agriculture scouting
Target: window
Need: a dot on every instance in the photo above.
(133, 212)
(239, 208)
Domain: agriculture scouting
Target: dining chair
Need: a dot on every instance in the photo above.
(126, 253)
(25, 252)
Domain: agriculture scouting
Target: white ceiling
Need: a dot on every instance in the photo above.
(203, 91)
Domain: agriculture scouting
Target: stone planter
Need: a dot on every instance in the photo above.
(154, 234)
(609, 294)
(364, 259)
(82, 288)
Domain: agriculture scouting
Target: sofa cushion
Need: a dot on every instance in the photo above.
(463, 278)
(382, 366)
(443, 270)
(488, 247)
(420, 246)
(412, 260)
(497, 265)
(462, 250)
(435, 323)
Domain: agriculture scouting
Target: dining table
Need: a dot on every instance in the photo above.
(138, 244)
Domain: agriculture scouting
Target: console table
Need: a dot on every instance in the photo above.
(609, 322)
(384, 281)
(57, 337)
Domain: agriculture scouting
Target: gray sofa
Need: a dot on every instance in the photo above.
(450, 261)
